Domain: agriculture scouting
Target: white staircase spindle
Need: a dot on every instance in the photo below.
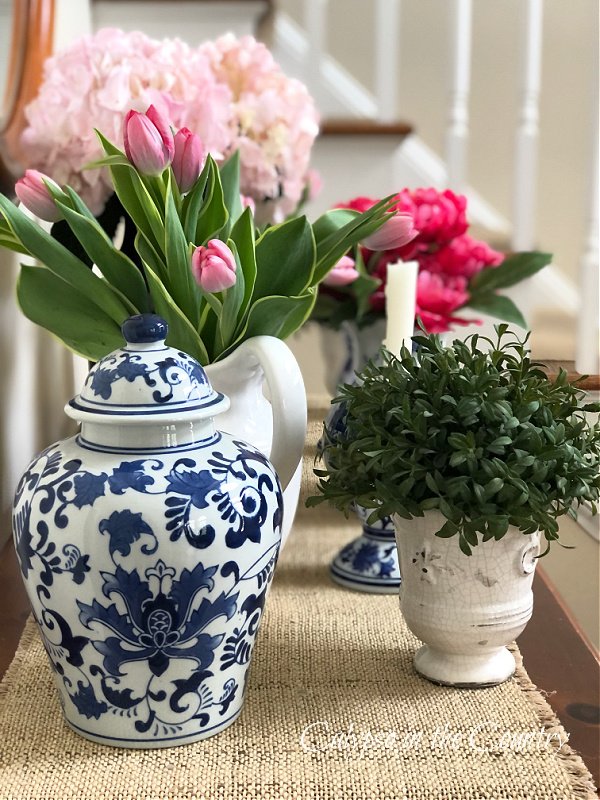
(315, 24)
(387, 52)
(525, 178)
(588, 322)
(457, 132)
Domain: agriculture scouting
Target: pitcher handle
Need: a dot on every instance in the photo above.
(288, 401)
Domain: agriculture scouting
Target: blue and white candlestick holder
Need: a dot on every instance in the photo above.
(370, 562)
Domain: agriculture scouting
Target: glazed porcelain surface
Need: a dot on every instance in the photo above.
(369, 563)
(276, 426)
(147, 544)
(466, 609)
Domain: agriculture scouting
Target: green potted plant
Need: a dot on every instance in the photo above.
(475, 453)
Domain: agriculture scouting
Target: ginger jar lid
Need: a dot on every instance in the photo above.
(146, 381)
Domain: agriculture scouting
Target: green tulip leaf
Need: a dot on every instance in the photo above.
(115, 266)
(180, 281)
(62, 262)
(192, 202)
(243, 236)
(213, 214)
(67, 313)
(182, 334)
(285, 259)
(230, 181)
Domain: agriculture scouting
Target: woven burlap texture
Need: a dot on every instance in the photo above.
(334, 664)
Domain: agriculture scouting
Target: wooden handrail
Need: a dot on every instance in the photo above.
(589, 383)
(31, 44)
(364, 127)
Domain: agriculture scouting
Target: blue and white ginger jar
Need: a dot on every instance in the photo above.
(147, 545)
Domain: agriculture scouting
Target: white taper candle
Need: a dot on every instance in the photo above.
(400, 301)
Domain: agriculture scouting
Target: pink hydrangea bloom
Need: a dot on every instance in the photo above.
(462, 256)
(273, 122)
(231, 93)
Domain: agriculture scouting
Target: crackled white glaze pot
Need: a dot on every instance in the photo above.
(147, 544)
(465, 609)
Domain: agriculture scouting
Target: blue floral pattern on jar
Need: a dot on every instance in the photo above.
(148, 578)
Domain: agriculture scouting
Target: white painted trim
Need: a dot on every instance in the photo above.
(288, 36)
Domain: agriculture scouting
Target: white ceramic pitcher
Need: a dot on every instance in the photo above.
(276, 426)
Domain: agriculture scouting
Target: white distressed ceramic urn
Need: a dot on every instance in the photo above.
(465, 609)
(147, 544)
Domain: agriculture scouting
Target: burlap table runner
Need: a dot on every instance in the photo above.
(334, 710)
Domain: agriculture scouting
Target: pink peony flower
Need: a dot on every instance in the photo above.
(438, 216)
(214, 266)
(396, 232)
(438, 298)
(343, 273)
(148, 141)
(462, 256)
(188, 159)
(32, 191)
(358, 204)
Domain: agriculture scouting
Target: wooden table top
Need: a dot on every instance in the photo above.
(556, 655)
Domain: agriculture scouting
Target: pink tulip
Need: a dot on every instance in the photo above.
(214, 266)
(148, 141)
(34, 194)
(397, 231)
(188, 159)
(342, 274)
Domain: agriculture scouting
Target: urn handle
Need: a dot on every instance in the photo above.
(288, 401)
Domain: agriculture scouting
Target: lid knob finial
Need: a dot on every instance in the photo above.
(144, 329)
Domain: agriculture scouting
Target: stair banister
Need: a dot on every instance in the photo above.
(457, 132)
(387, 58)
(588, 320)
(315, 24)
(527, 134)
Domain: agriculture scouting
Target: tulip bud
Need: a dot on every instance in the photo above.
(343, 273)
(148, 141)
(188, 159)
(397, 231)
(214, 266)
(33, 193)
